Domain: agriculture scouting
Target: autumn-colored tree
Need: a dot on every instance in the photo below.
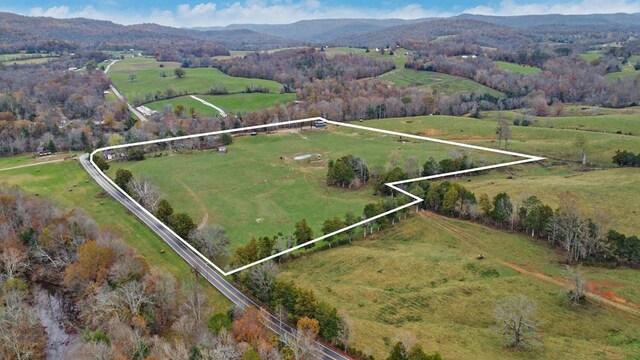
(92, 258)
(249, 327)
(309, 325)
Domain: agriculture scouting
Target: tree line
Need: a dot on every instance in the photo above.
(584, 235)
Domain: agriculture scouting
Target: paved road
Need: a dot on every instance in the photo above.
(214, 278)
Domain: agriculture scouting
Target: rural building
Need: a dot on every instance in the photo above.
(222, 150)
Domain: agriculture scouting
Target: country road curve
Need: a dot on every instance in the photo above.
(214, 278)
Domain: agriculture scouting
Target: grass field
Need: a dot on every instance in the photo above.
(613, 121)
(197, 80)
(422, 277)
(627, 70)
(399, 58)
(614, 190)
(507, 66)
(231, 103)
(555, 144)
(67, 185)
(251, 182)
(442, 83)
(591, 56)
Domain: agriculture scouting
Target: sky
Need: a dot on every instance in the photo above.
(186, 13)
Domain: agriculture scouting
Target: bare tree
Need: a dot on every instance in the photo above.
(503, 132)
(145, 193)
(302, 345)
(133, 297)
(515, 321)
(578, 283)
(13, 262)
(570, 227)
(195, 301)
(261, 279)
(20, 329)
(212, 241)
(581, 143)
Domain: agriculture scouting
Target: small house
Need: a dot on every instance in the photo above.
(222, 149)
(319, 124)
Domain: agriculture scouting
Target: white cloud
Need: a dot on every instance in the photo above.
(238, 12)
(510, 7)
(212, 13)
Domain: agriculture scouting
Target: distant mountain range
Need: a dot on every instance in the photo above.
(492, 31)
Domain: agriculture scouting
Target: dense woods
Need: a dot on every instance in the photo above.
(294, 68)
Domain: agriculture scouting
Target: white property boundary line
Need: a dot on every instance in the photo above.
(416, 199)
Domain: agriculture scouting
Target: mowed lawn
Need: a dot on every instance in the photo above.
(231, 104)
(68, 186)
(614, 190)
(196, 80)
(421, 278)
(516, 68)
(251, 192)
(442, 83)
(554, 144)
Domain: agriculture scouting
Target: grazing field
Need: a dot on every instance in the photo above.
(626, 70)
(591, 56)
(148, 79)
(231, 104)
(251, 191)
(398, 57)
(554, 144)
(614, 190)
(422, 278)
(68, 186)
(507, 66)
(613, 121)
(442, 83)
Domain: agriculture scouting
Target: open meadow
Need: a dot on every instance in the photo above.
(69, 186)
(512, 67)
(422, 279)
(442, 83)
(259, 189)
(149, 79)
(231, 104)
(554, 144)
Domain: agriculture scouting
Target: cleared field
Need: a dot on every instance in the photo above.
(231, 103)
(70, 187)
(507, 66)
(591, 56)
(614, 190)
(29, 61)
(626, 70)
(442, 83)
(422, 277)
(197, 80)
(251, 191)
(555, 144)
(399, 57)
(624, 121)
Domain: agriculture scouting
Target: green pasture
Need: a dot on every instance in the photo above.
(554, 144)
(421, 279)
(252, 192)
(231, 104)
(512, 67)
(442, 83)
(196, 80)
